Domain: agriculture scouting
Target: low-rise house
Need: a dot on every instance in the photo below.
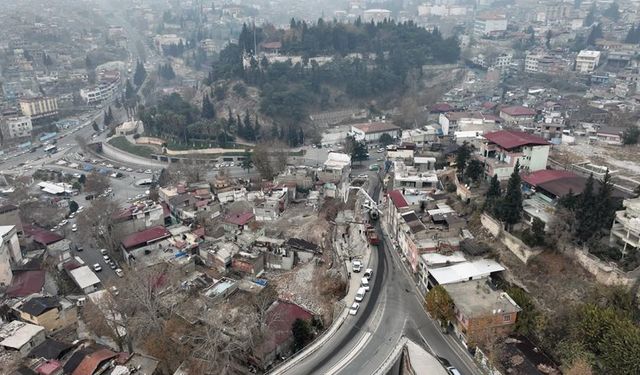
(452, 122)
(481, 311)
(238, 222)
(50, 349)
(218, 255)
(25, 283)
(85, 279)
(409, 177)
(610, 135)
(21, 336)
(132, 244)
(502, 149)
(138, 217)
(518, 115)
(248, 263)
(52, 313)
(435, 260)
(335, 168)
(280, 318)
(465, 271)
(371, 132)
(130, 127)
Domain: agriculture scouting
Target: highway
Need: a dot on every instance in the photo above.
(391, 309)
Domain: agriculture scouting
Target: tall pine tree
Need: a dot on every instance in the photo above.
(586, 212)
(493, 195)
(208, 111)
(511, 205)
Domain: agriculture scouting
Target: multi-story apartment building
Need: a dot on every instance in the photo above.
(10, 253)
(490, 24)
(106, 89)
(502, 149)
(16, 128)
(39, 107)
(587, 61)
(625, 231)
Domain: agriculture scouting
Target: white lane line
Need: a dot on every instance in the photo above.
(354, 352)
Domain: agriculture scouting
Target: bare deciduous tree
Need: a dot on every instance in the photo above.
(96, 183)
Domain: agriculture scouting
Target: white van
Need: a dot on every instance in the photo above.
(360, 294)
(365, 284)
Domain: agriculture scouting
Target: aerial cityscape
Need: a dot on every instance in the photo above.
(377, 187)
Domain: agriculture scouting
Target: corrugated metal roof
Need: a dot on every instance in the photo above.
(398, 199)
(465, 271)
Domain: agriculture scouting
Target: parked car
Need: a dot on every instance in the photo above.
(368, 273)
(453, 371)
(356, 266)
(354, 308)
(103, 251)
(113, 265)
(97, 267)
(119, 272)
(74, 228)
(106, 259)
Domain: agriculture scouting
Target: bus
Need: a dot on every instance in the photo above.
(51, 149)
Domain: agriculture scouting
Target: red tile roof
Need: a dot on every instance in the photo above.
(376, 127)
(91, 362)
(41, 236)
(280, 318)
(398, 199)
(518, 110)
(509, 139)
(547, 175)
(26, 283)
(441, 108)
(146, 236)
(239, 219)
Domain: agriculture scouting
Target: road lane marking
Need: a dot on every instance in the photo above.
(354, 352)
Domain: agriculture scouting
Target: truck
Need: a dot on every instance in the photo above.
(372, 235)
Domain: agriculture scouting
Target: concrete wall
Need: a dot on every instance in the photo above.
(5, 266)
(514, 244)
(607, 274)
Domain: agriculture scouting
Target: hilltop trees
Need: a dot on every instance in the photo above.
(389, 53)
(208, 111)
(140, 74)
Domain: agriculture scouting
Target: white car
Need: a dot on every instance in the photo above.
(356, 266)
(119, 272)
(103, 251)
(453, 371)
(81, 208)
(148, 171)
(64, 222)
(74, 228)
(354, 308)
(368, 273)
(106, 259)
(97, 268)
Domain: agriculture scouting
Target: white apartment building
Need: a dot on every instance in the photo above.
(487, 25)
(108, 87)
(625, 231)
(503, 61)
(587, 61)
(532, 63)
(39, 107)
(16, 127)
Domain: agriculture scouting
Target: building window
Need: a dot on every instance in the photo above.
(506, 318)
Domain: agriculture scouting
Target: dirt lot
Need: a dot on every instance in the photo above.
(312, 285)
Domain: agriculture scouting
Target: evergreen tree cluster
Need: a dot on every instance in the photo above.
(175, 50)
(166, 71)
(248, 129)
(140, 74)
(594, 209)
(507, 208)
(633, 35)
(387, 53)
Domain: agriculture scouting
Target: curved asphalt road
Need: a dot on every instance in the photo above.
(390, 310)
